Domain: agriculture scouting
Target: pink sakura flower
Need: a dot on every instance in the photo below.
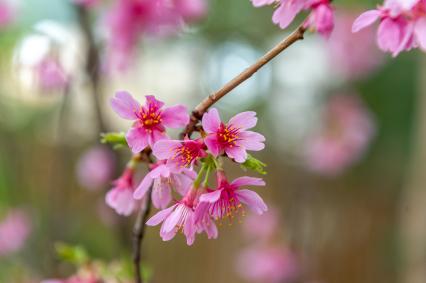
(120, 197)
(354, 55)
(402, 25)
(179, 216)
(232, 138)
(150, 120)
(164, 178)
(179, 154)
(14, 231)
(267, 265)
(347, 130)
(320, 19)
(228, 198)
(95, 168)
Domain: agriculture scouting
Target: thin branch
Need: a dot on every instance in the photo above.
(92, 63)
(138, 235)
(201, 108)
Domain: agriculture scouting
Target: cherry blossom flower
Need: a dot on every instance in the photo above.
(402, 25)
(232, 138)
(150, 120)
(267, 264)
(14, 231)
(180, 154)
(120, 197)
(347, 130)
(228, 198)
(179, 216)
(164, 178)
(320, 19)
(95, 168)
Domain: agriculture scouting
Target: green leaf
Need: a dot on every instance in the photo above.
(116, 139)
(72, 254)
(254, 164)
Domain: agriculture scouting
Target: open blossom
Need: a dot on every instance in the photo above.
(228, 198)
(95, 168)
(180, 154)
(120, 197)
(14, 231)
(165, 178)
(179, 216)
(402, 25)
(232, 138)
(267, 264)
(150, 120)
(347, 130)
(320, 19)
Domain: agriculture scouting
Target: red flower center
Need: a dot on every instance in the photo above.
(227, 135)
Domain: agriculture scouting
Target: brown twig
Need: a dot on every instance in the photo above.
(201, 108)
(138, 234)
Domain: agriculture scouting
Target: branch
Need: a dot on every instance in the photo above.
(138, 234)
(201, 108)
(92, 63)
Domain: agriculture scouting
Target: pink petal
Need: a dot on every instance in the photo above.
(143, 187)
(121, 200)
(200, 211)
(137, 139)
(211, 121)
(173, 219)
(243, 120)
(161, 195)
(189, 229)
(167, 236)
(212, 144)
(251, 140)
(175, 117)
(252, 200)
(420, 32)
(285, 14)
(160, 216)
(389, 35)
(365, 19)
(153, 102)
(124, 105)
(259, 3)
(211, 197)
(211, 229)
(164, 149)
(247, 181)
(155, 136)
(181, 183)
(238, 153)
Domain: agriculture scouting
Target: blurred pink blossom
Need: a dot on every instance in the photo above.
(261, 227)
(14, 231)
(51, 75)
(120, 197)
(347, 129)
(267, 265)
(402, 25)
(7, 13)
(95, 168)
(354, 55)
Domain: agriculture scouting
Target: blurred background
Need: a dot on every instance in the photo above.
(345, 128)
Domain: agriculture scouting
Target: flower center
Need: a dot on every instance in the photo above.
(151, 118)
(186, 154)
(227, 135)
(227, 207)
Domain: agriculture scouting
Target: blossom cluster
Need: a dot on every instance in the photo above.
(198, 205)
(402, 25)
(320, 18)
